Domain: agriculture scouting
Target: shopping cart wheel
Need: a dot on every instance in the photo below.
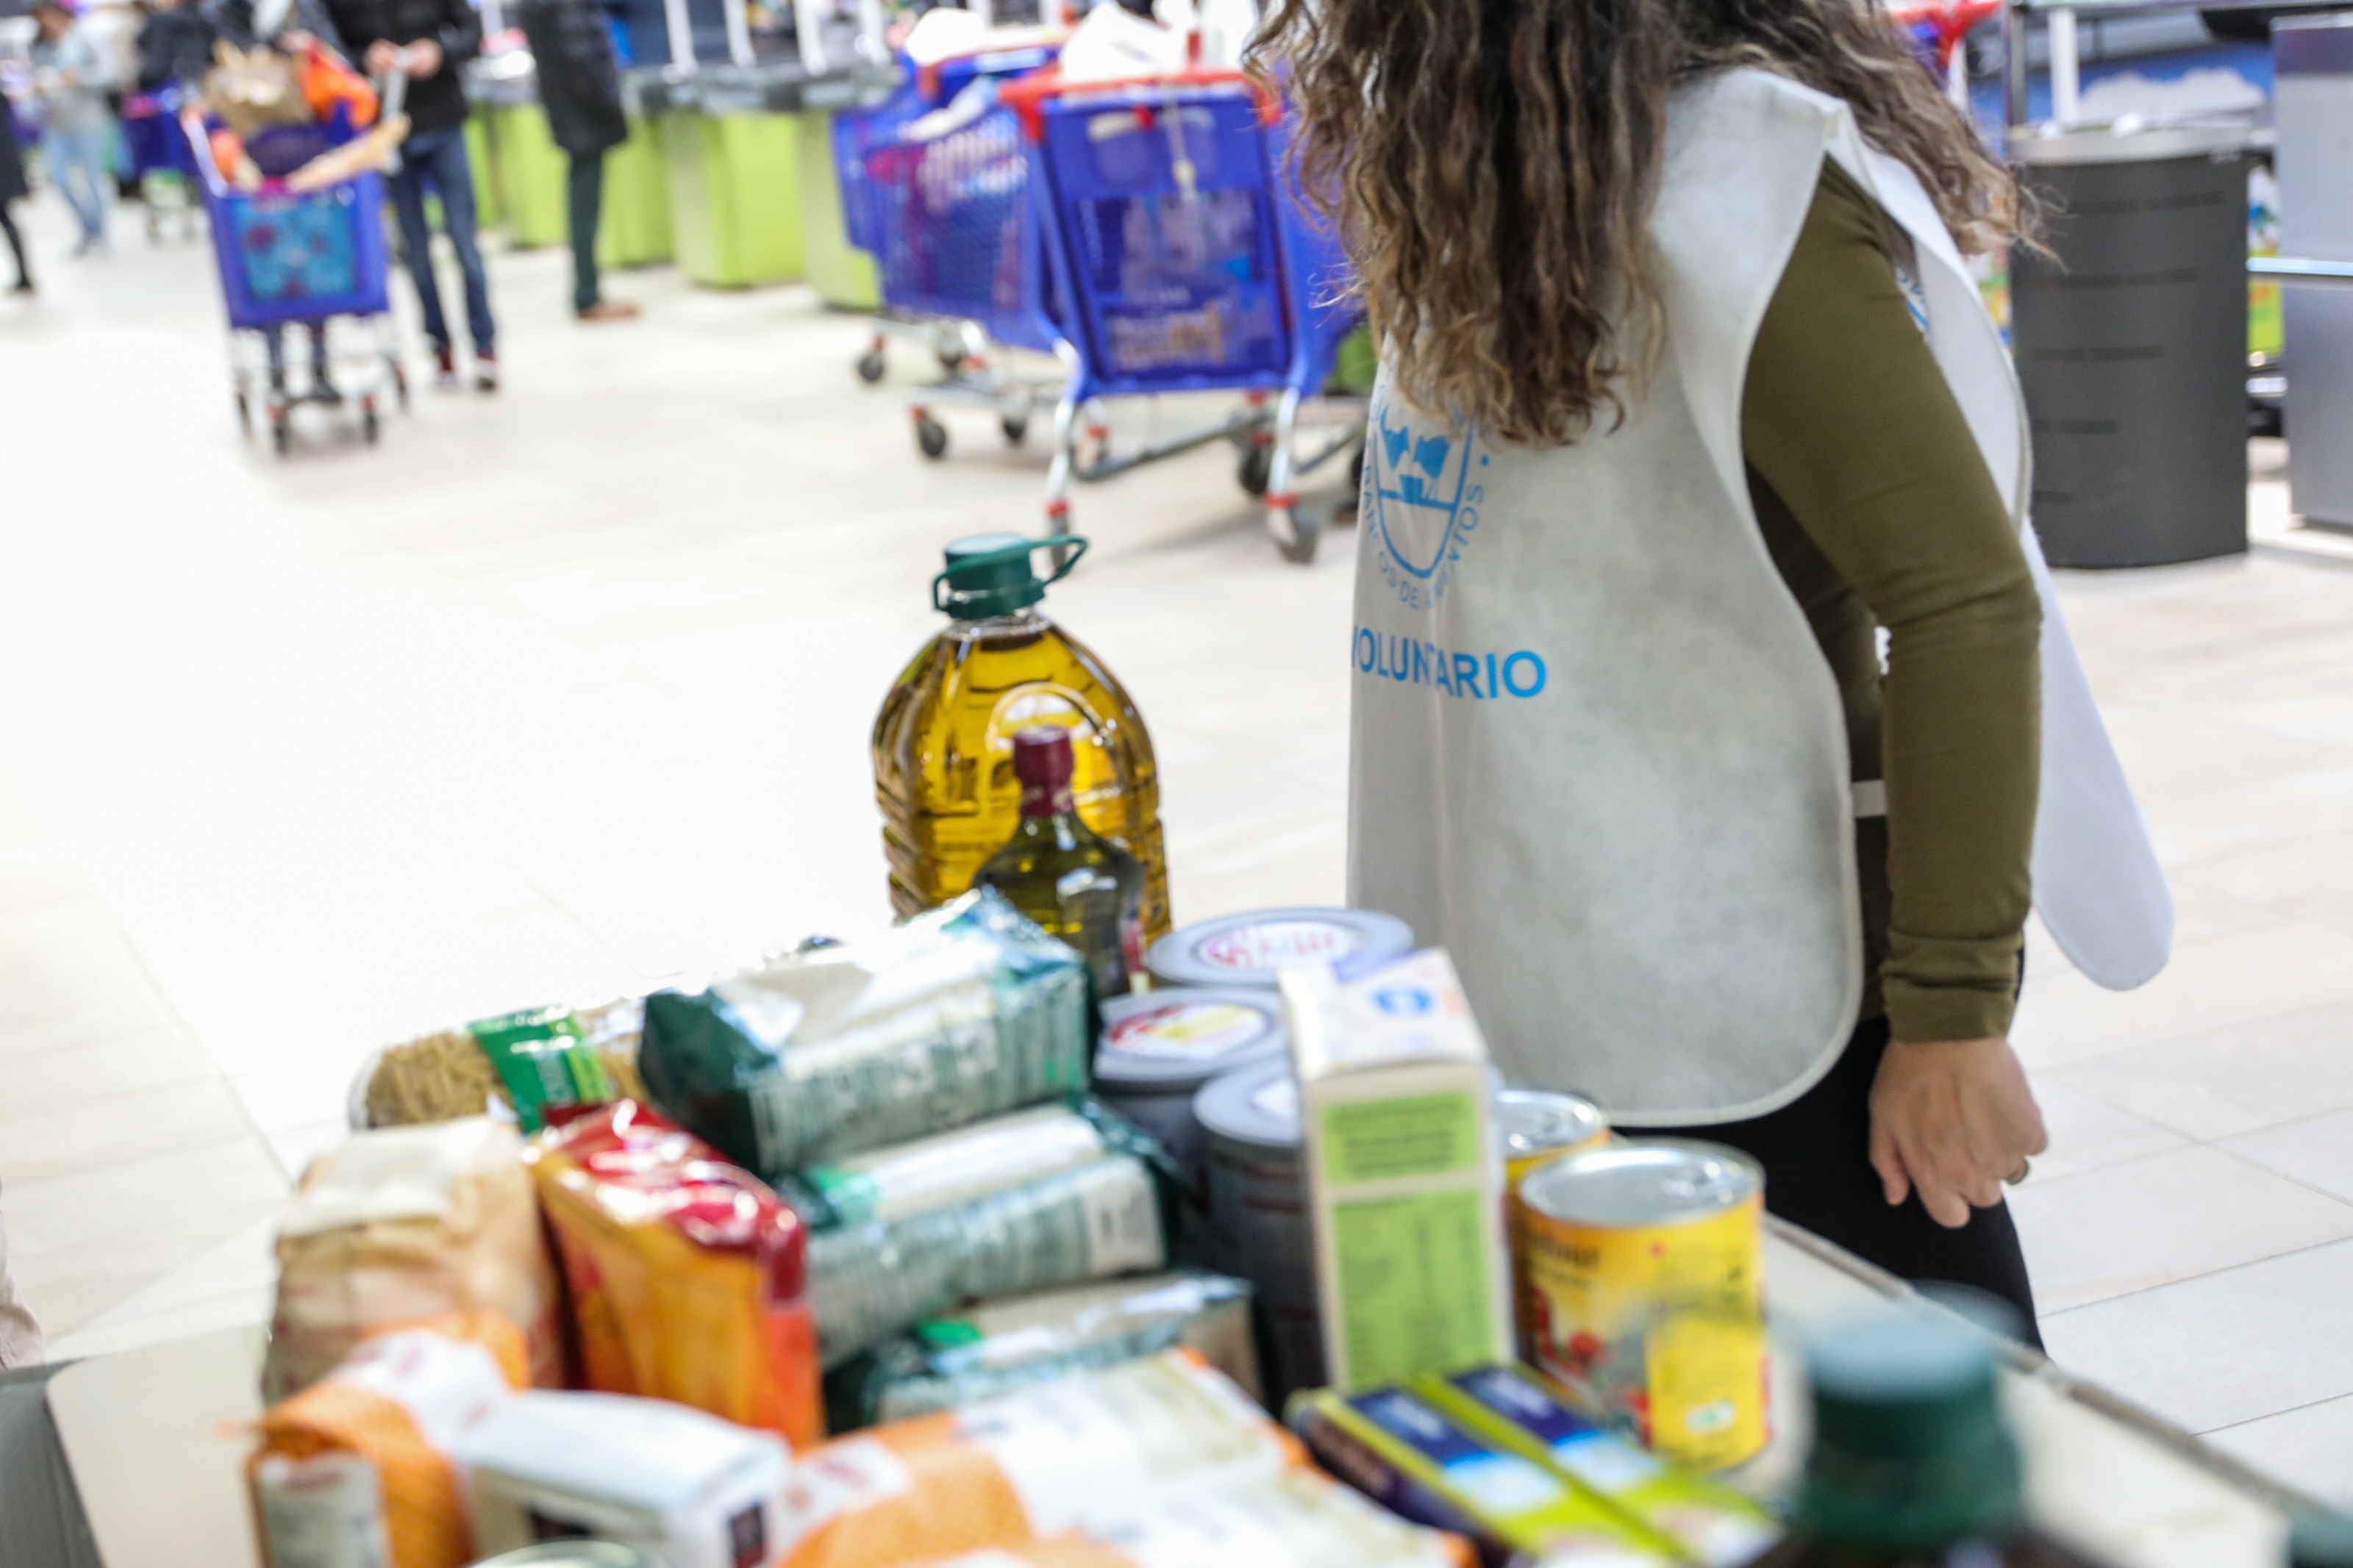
(951, 358)
(1295, 533)
(245, 416)
(1016, 428)
(871, 366)
(931, 436)
(371, 427)
(281, 434)
(399, 383)
(1257, 466)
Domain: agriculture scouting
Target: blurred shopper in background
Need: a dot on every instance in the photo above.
(431, 40)
(71, 81)
(13, 188)
(1687, 394)
(580, 87)
(175, 45)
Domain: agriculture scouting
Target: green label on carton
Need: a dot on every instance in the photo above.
(1413, 1284)
(1419, 1135)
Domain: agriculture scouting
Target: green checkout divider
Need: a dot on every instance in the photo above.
(483, 158)
(530, 174)
(842, 275)
(634, 227)
(734, 196)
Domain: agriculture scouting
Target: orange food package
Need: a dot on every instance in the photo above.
(687, 1278)
(399, 1403)
(1079, 1452)
(328, 81)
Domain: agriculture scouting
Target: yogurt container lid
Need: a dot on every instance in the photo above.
(1258, 1106)
(1181, 1036)
(1254, 947)
(1647, 1181)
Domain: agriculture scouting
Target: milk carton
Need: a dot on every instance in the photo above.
(1404, 1181)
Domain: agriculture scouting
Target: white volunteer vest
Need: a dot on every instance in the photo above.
(1595, 751)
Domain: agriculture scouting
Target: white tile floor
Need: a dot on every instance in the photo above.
(568, 691)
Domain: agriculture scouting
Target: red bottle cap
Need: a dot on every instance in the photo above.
(1041, 756)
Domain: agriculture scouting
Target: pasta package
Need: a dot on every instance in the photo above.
(998, 1346)
(409, 1223)
(401, 1403)
(688, 1278)
(960, 1013)
(1080, 1452)
(529, 1063)
(871, 1282)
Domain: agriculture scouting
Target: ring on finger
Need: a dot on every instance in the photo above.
(2025, 1169)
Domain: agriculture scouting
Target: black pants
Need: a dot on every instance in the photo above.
(1818, 1174)
(15, 240)
(584, 191)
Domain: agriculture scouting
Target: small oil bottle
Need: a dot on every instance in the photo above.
(1062, 874)
(942, 742)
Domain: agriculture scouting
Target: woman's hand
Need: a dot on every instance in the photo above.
(1952, 1121)
(424, 58)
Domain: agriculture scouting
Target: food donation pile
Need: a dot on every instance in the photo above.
(1005, 1236)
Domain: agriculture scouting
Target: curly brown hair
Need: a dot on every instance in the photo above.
(1491, 164)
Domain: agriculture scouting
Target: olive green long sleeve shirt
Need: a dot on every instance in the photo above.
(1880, 513)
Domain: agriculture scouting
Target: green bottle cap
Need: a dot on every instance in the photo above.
(988, 573)
(2321, 1538)
(1910, 1450)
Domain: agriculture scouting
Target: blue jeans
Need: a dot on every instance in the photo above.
(82, 162)
(437, 158)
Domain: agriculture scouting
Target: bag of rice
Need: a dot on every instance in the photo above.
(870, 1282)
(401, 1402)
(963, 1012)
(687, 1278)
(998, 1346)
(1061, 1456)
(409, 1223)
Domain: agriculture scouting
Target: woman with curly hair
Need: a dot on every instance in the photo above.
(1688, 408)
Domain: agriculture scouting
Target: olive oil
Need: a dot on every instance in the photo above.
(944, 740)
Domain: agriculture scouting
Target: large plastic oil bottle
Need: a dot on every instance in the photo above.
(944, 740)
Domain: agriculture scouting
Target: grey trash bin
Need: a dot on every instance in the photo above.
(2131, 341)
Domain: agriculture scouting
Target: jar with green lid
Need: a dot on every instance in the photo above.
(942, 742)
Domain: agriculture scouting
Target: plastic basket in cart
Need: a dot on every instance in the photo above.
(955, 225)
(1165, 201)
(922, 89)
(152, 134)
(286, 257)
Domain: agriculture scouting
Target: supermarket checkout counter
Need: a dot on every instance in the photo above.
(154, 1443)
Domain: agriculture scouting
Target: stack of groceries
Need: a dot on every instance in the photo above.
(913, 1251)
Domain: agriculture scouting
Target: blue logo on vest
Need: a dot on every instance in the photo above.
(1424, 503)
(1404, 1001)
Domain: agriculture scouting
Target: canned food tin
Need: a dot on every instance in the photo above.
(1644, 1269)
(1258, 1223)
(574, 1554)
(1254, 949)
(1534, 1127)
(1160, 1048)
(322, 1511)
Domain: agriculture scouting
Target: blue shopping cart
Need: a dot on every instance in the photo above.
(1186, 262)
(936, 186)
(162, 163)
(302, 259)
